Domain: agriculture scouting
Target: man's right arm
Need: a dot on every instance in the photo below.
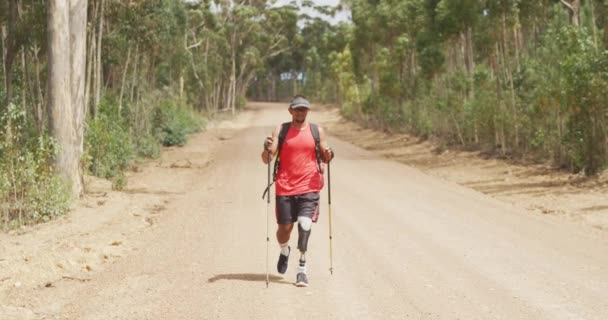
(271, 143)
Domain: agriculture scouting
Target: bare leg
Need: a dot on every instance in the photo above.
(284, 232)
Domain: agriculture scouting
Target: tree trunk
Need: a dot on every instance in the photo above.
(467, 52)
(90, 61)
(575, 8)
(517, 43)
(134, 78)
(98, 60)
(78, 59)
(244, 84)
(217, 95)
(233, 81)
(61, 113)
(560, 136)
(595, 42)
(294, 83)
(576, 15)
(41, 123)
(11, 49)
(509, 78)
(3, 39)
(181, 88)
(499, 124)
(230, 94)
(24, 72)
(124, 79)
(24, 85)
(471, 93)
(273, 88)
(30, 87)
(471, 50)
(193, 63)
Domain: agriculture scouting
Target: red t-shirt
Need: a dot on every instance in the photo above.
(298, 169)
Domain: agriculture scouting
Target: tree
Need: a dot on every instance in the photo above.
(11, 48)
(575, 8)
(66, 74)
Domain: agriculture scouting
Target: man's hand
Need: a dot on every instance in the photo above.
(328, 155)
(268, 143)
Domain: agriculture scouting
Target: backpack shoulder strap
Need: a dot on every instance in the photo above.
(282, 135)
(314, 129)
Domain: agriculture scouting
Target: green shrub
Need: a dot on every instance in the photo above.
(147, 146)
(49, 198)
(108, 145)
(119, 181)
(113, 139)
(29, 190)
(241, 101)
(173, 123)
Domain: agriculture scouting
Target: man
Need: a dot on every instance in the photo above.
(299, 180)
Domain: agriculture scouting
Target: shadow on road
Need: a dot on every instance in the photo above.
(248, 277)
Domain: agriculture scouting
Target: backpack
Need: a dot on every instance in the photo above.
(314, 129)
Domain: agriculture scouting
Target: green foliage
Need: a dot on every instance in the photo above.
(565, 83)
(149, 49)
(510, 76)
(147, 146)
(341, 67)
(115, 138)
(173, 123)
(48, 198)
(29, 190)
(119, 182)
(108, 146)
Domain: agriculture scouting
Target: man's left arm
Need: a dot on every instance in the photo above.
(326, 152)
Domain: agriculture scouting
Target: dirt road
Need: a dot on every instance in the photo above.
(187, 241)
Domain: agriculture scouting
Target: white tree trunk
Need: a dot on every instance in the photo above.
(39, 112)
(124, 79)
(62, 113)
(78, 59)
(25, 84)
(575, 8)
(231, 93)
(3, 43)
(593, 23)
(11, 49)
(181, 87)
(98, 61)
(134, 82)
(90, 61)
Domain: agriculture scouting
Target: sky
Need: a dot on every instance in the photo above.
(341, 16)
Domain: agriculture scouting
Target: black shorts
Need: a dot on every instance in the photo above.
(289, 208)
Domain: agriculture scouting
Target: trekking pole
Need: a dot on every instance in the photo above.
(331, 260)
(267, 220)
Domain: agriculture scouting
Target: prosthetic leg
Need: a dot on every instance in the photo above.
(304, 226)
